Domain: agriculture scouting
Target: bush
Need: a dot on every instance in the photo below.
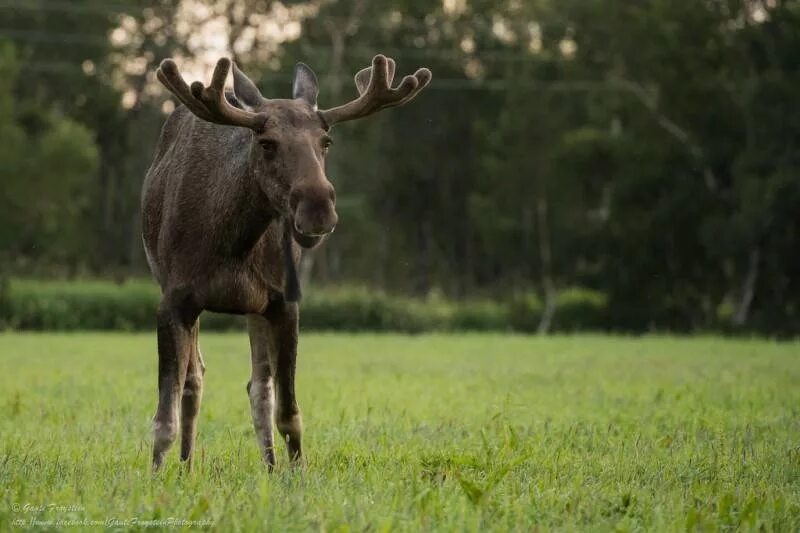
(362, 309)
(480, 315)
(525, 312)
(94, 305)
(580, 309)
(131, 306)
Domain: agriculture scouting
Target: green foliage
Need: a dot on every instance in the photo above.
(12, 155)
(579, 309)
(644, 149)
(361, 309)
(525, 312)
(47, 175)
(480, 315)
(64, 196)
(131, 306)
(472, 432)
(101, 305)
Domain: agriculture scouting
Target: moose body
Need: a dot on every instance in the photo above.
(207, 226)
(236, 189)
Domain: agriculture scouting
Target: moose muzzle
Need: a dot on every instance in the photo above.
(313, 208)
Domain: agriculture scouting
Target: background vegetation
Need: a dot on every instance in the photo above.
(131, 306)
(643, 151)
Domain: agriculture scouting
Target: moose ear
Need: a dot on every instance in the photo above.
(245, 90)
(305, 85)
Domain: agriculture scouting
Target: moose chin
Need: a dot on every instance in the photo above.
(236, 188)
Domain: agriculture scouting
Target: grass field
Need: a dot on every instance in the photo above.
(462, 433)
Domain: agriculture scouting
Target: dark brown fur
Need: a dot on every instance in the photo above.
(228, 202)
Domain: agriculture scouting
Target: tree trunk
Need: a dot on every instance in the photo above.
(748, 288)
(546, 260)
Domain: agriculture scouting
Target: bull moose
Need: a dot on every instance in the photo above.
(236, 188)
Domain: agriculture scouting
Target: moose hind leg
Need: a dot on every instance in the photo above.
(260, 388)
(175, 323)
(283, 330)
(192, 398)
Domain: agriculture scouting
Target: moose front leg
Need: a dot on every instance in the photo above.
(192, 397)
(283, 317)
(260, 387)
(175, 324)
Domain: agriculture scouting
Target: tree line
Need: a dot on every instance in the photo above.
(645, 150)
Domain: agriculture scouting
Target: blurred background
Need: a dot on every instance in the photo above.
(574, 165)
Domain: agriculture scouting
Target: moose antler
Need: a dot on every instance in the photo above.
(374, 86)
(208, 103)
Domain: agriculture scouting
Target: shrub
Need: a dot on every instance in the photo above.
(362, 309)
(525, 312)
(580, 309)
(83, 305)
(131, 306)
(480, 315)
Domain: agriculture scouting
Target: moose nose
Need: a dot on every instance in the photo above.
(314, 211)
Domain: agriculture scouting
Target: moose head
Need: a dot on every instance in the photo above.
(291, 135)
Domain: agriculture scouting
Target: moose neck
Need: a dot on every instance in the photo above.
(243, 209)
(252, 210)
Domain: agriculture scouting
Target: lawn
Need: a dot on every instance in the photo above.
(431, 432)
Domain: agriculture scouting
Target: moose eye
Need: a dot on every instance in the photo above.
(270, 147)
(327, 142)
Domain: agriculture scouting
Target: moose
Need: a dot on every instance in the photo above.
(236, 190)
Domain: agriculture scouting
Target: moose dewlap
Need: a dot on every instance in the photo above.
(236, 188)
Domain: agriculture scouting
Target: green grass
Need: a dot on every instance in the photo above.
(464, 433)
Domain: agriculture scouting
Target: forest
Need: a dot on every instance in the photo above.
(643, 151)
